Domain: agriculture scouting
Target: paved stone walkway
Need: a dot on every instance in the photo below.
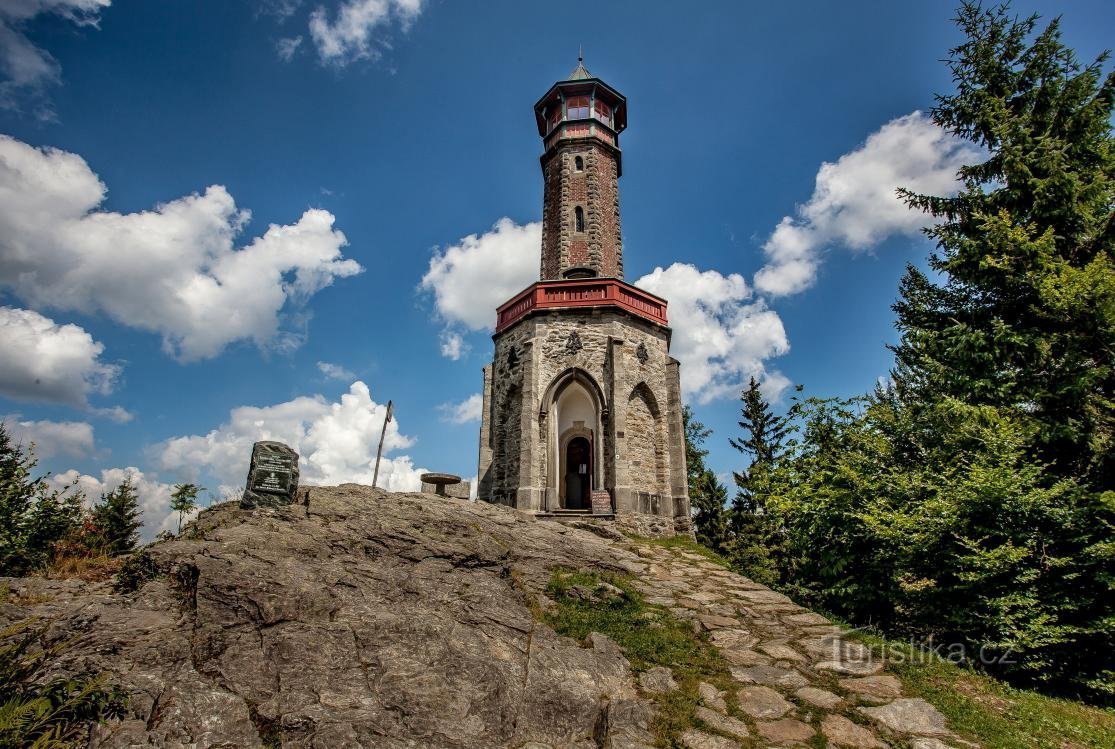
(796, 675)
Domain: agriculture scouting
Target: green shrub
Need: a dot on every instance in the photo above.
(47, 713)
(137, 569)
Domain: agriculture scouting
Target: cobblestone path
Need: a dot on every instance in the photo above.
(798, 678)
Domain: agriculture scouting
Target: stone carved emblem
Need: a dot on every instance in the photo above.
(641, 353)
(573, 343)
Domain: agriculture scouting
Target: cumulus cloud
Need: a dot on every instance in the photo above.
(467, 410)
(335, 371)
(470, 279)
(153, 495)
(453, 345)
(70, 438)
(854, 202)
(173, 270)
(356, 30)
(336, 442)
(26, 70)
(52, 363)
(722, 334)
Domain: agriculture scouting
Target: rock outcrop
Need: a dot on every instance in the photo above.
(359, 618)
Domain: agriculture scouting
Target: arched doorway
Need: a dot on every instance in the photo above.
(574, 413)
(578, 473)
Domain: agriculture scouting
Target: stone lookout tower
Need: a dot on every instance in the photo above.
(582, 403)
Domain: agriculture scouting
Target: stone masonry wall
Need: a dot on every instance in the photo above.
(646, 446)
(639, 446)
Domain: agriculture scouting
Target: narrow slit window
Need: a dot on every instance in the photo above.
(579, 218)
(578, 164)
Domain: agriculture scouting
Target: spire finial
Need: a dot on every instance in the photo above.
(579, 73)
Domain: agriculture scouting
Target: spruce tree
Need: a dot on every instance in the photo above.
(1025, 315)
(706, 496)
(762, 441)
(116, 518)
(33, 517)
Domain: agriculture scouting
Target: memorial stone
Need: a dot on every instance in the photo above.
(272, 476)
(601, 502)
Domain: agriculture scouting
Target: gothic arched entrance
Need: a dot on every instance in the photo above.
(574, 413)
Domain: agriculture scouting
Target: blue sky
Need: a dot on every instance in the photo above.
(156, 326)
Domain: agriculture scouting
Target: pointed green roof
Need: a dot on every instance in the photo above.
(580, 72)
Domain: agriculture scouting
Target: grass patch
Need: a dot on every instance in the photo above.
(686, 544)
(24, 599)
(995, 714)
(90, 568)
(648, 635)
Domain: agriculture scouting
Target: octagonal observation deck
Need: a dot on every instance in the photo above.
(582, 293)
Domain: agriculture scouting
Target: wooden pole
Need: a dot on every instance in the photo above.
(379, 452)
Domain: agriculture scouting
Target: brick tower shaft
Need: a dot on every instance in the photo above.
(579, 120)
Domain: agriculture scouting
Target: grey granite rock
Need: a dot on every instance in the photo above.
(658, 680)
(694, 739)
(910, 715)
(359, 619)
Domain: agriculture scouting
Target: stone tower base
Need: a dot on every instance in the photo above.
(578, 401)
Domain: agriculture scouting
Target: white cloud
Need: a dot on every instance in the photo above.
(453, 345)
(335, 371)
(854, 202)
(70, 438)
(467, 410)
(119, 414)
(27, 69)
(153, 495)
(355, 32)
(479, 273)
(280, 9)
(45, 361)
(336, 442)
(287, 47)
(173, 270)
(722, 336)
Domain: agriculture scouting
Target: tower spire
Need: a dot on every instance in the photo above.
(580, 72)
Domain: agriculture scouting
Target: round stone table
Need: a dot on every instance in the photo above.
(440, 480)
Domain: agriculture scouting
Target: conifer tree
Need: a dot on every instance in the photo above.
(1025, 318)
(116, 518)
(762, 441)
(706, 495)
(33, 517)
